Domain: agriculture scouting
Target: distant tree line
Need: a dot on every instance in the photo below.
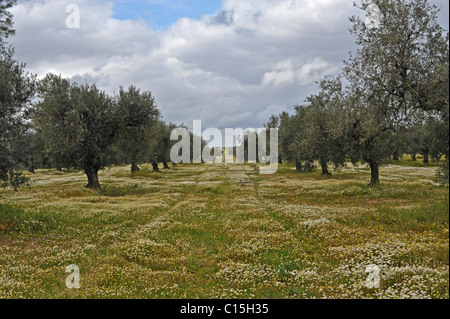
(54, 123)
(79, 126)
(391, 98)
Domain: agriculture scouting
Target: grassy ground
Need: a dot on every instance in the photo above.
(203, 231)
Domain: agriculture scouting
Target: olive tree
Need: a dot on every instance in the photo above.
(323, 132)
(79, 123)
(16, 92)
(138, 115)
(387, 71)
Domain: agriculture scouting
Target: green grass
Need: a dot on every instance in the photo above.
(406, 160)
(16, 220)
(224, 231)
(423, 217)
(118, 191)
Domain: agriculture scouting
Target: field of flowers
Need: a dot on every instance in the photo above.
(225, 231)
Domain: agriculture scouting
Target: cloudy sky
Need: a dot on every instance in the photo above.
(229, 63)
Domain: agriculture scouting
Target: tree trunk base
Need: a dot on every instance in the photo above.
(93, 186)
(375, 175)
(92, 175)
(30, 168)
(324, 166)
(134, 168)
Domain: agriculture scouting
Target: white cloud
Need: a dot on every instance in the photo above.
(286, 73)
(227, 69)
(265, 115)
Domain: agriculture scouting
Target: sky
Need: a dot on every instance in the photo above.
(161, 14)
(229, 63)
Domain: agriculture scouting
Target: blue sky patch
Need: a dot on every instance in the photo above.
(161, 14)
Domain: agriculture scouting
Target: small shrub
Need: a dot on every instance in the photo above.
(15, 180)
(306, 166)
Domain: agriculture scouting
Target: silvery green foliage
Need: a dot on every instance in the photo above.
(139, 116)
(315, 132)
(79, 124)
(16, 90)
(6, 22)
(395, 83)
(392, 75)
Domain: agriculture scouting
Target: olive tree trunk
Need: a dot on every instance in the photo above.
(375, 174)
(155, 167)
(31, 166)
(134, 168)
(92, 175)
(324, 166)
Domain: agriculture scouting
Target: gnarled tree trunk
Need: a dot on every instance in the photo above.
(324, 166)
(375, 174)
(92, 175)
(31, 166)
(155, 167)
(166, 165)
